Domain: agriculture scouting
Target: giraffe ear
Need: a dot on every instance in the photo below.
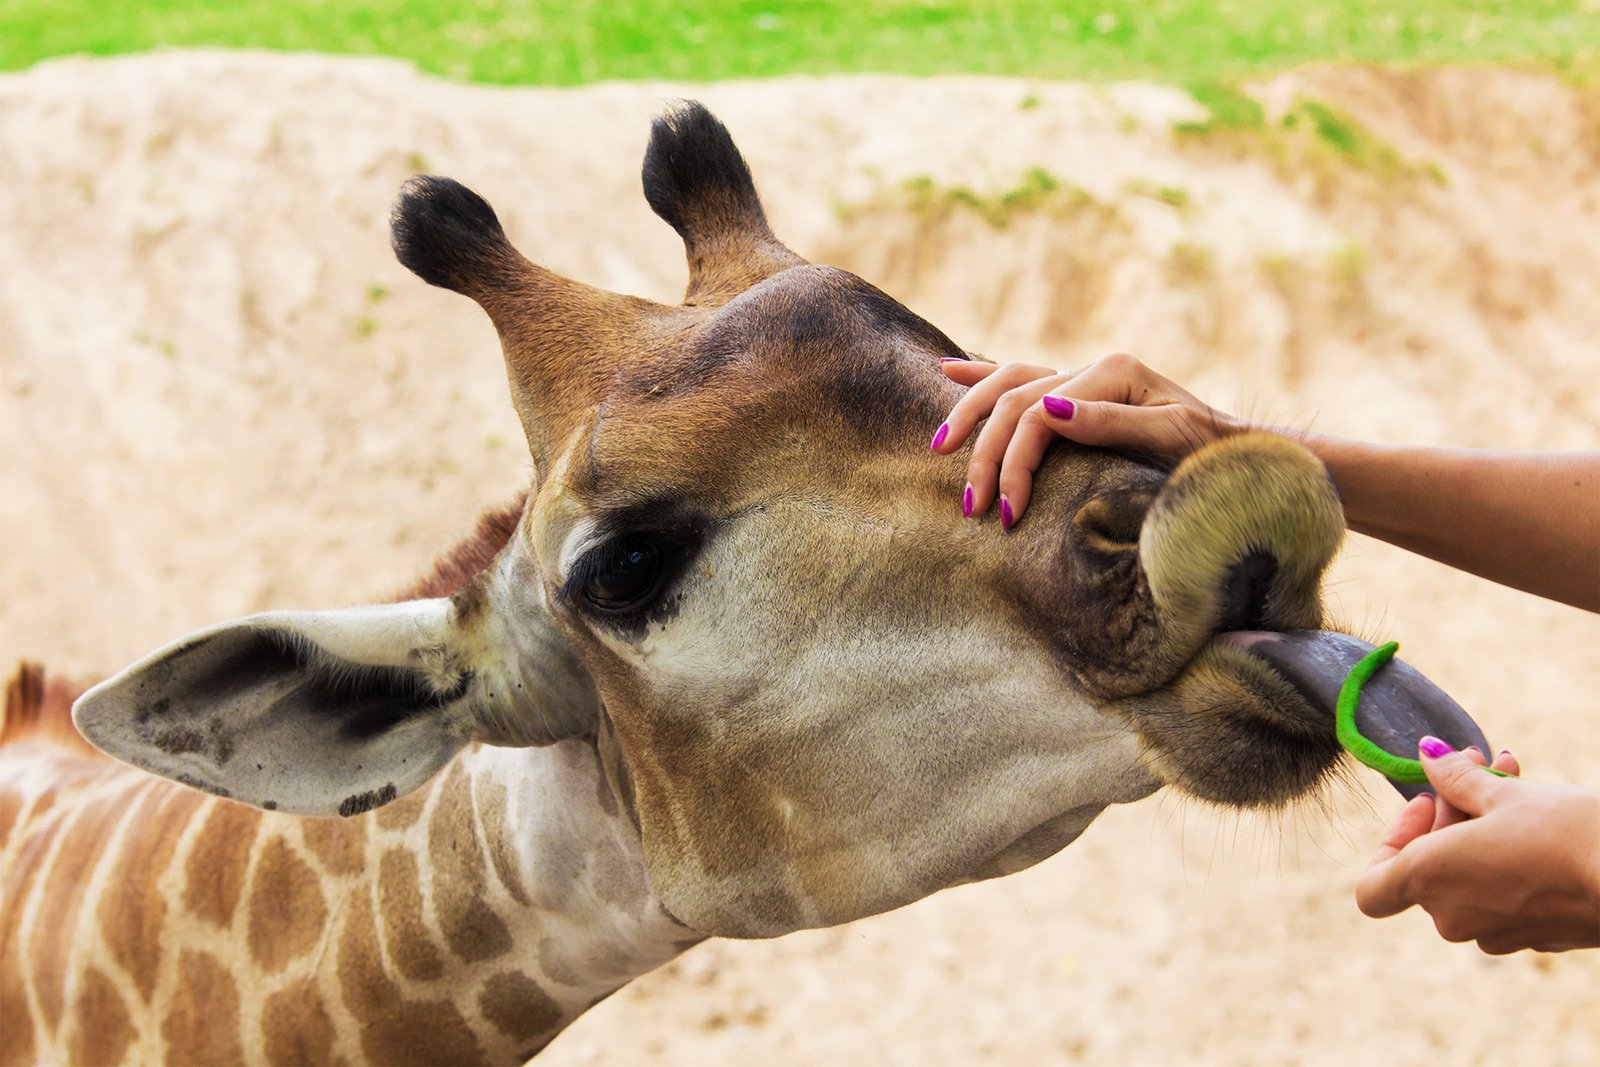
(321, 713)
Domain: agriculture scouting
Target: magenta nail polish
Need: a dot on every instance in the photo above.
(940, 434)
(1005, 513)
(1060, 407)
(950, 359)
(1433, 748)
(966, 502)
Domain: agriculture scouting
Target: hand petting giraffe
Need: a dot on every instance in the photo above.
(704, 679)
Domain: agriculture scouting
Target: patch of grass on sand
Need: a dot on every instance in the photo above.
(568, 42)
(1038, 193)
(1308, 131)
(1226, 109)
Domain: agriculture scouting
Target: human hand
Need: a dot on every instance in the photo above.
(1115, 402)
(1507, 863)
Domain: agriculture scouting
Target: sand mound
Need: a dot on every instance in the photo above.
(220, 394)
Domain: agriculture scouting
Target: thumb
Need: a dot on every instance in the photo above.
(1457, 779)
(1158, 428)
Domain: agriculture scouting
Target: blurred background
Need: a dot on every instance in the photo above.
(219, 394)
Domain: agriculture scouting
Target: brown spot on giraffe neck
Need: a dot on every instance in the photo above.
(394, 1030)
(218, 860)
(517, 1007)
(16, 1024)
(426, 1033)
(341, 844)
(10, 808)
(295, 1027)
(131, 912)
(494, 811)
(66, 883)
(578, 965)
(104, 1028)
(402, 813)
(203, 1025)
(287, 909)
(400, 901)
(27, 861)
(364, 986)
(460, 880)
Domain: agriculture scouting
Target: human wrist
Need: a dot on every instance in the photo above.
(1589, 869)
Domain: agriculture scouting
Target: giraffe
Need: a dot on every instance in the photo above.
(731, 667)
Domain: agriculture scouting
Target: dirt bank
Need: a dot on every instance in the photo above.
(220, 394)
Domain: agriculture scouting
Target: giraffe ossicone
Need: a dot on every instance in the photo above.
(732, 667)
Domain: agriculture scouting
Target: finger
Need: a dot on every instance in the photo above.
(1457, 778)
(1381, 890)
(1503, 944)
(1412, 822)
(1451, 927)
(967, 371)
(979, 402)
(1446, 813)
(1506, 763)
(1023, 455)
(989, 450)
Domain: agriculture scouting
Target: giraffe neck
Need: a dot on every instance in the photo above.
(469, 922)
(516, 889)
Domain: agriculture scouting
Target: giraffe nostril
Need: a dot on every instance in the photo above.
(1110, 524)
(1245, 592)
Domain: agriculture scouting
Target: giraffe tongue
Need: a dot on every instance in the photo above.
(1398, 705)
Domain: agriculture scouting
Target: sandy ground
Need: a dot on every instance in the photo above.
(220, 394)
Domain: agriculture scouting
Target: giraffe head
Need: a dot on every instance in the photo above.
(819, 693)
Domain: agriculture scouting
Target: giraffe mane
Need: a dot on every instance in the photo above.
(453, 569)
(38, 705)
(38, 708)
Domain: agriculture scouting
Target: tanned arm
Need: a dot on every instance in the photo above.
(1530, 520)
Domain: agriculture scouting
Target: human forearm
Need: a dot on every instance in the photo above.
(1530, 520)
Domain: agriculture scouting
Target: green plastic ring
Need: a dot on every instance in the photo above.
(1395, 768)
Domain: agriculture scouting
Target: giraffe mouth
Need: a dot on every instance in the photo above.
(1398, 707)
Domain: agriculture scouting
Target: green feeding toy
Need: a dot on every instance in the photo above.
(1396, 768)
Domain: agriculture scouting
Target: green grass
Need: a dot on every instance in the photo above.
(1038, 193)
(567, 42)
(1308, 131)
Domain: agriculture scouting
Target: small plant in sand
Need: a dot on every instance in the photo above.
(1190, 264)
(367, 325)
(1170, 195)
(1038, 193)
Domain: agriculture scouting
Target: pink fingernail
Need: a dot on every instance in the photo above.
(1005, 513)
(1433, 748)
(966, 502)
(950, 359)
(1060, 407)
(939, 435)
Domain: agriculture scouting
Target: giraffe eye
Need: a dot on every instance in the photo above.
(622, 574)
